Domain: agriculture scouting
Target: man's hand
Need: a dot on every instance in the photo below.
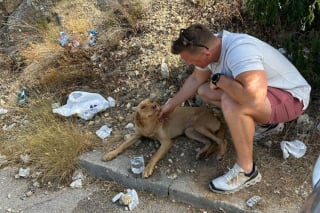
(166, 109)
(212, 86)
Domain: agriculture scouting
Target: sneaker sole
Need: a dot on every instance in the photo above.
(247, 184)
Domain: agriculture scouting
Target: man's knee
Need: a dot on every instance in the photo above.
(229, 106)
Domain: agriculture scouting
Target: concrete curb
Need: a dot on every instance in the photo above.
(181, 189)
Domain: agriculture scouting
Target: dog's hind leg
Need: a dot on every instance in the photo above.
(195, 135)
(222, 147)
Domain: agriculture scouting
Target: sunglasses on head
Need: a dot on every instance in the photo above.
(186, 41)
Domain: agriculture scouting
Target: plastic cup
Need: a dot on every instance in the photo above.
(137, 164)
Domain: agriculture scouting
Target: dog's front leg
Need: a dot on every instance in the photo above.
(130, 141)
(166, 144)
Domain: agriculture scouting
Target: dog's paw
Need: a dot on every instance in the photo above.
(147, 172)
(109, 156)
(202, 155)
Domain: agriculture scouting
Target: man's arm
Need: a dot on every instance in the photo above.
(188, 90)
(249, 88)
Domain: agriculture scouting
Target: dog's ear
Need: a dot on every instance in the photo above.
(138, 120)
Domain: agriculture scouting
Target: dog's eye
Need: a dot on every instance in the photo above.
(143, 106)
(154, 106)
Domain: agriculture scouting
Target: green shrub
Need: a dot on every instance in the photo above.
(300, 20)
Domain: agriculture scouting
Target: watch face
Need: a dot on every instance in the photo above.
(215, 78)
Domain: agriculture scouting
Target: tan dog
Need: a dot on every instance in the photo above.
(197, 123)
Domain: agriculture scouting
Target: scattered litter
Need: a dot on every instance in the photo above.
(303, 119)
(165, 73)
(24, 158)
(78, 40)
(173, 176)
(64, 39)
(76, 184)
(78, 174)
(24, 172)
(296, 148)
(104, 132)
(22, 97)
(92, 37)
(77, 179)
(251, 202)
(129, 199)
(117, 197)
(84, 104)
(137, 164)
(318, 127)
(3, 111)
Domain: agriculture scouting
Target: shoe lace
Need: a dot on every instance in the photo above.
(232, 173)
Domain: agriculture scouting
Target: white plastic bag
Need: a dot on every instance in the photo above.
(295, 148)
(104, 132)
(84, 104)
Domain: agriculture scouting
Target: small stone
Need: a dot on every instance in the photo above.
(129, 126)
(29, 193)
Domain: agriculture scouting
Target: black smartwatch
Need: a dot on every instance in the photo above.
(215, 78)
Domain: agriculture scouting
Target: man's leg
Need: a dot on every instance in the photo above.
(240, 120)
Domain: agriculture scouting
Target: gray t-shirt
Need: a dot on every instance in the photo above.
(241, 53)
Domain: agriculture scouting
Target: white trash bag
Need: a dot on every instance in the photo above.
(104, 132)
(84, 104)
(295, 148)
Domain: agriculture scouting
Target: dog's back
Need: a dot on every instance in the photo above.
(185, 117)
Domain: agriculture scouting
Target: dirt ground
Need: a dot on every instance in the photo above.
(131, 71)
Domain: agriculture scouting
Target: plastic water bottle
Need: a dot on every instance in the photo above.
(92, 37)
(137, 164)
(64, 39)
(22, 97)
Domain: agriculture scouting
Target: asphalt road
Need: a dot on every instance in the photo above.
(94, 197)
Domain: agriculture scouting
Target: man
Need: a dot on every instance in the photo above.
(252, 83)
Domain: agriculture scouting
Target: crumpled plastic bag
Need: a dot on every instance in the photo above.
(104, 132)
(84, 104)
(295, 148)
(129, 199)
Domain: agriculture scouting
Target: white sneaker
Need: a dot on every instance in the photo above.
(264, 131)
(234, 180)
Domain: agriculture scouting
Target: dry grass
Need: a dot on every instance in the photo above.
(53, 144)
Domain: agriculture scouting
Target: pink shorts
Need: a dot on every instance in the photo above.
(284, 106)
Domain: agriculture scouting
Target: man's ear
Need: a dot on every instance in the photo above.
(207, 52)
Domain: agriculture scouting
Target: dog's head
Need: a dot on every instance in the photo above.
(147, 112)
